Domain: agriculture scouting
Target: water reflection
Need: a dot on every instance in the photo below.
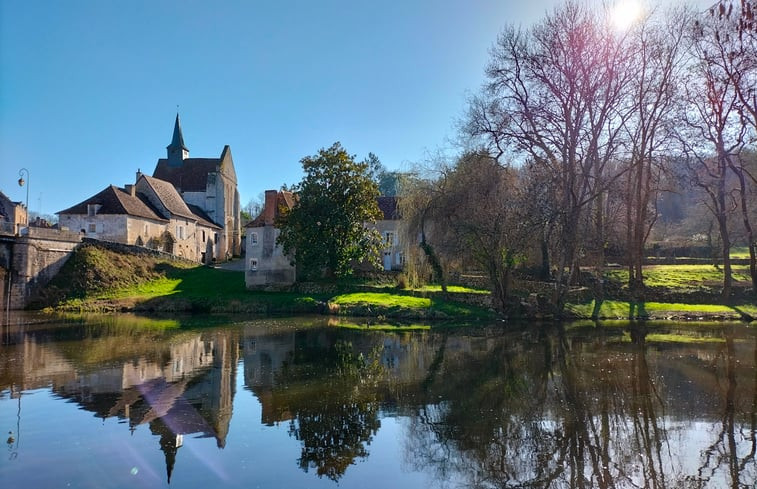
(635, 405)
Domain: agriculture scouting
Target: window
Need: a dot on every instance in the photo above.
(253, 264)
(389, 239)
(203, 235)
(92, 228)
(254, 239)
(92, 209)
(180, 231)
(147, 230)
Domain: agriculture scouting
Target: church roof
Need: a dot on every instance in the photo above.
(114, 200)
(178, 138)
(191, 176)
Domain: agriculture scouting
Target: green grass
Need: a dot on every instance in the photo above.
(399, 305)
(453, 289)
(682, 277)
(381, 299)
(622, 309)
(740, 252)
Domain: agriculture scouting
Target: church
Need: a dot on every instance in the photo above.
(189, 207)
(208, 183)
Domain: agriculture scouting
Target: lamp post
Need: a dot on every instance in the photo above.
(21, 184)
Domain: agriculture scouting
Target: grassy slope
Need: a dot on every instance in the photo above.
(96, 279)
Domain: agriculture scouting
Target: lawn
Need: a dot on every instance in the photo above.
(682, 277)
(622, 309)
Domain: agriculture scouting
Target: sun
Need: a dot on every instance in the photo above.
(624, 13)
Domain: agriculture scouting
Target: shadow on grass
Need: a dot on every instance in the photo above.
(744, 315)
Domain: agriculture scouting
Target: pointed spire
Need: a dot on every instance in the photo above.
(177, 150)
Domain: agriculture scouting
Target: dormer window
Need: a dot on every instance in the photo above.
(92, 209)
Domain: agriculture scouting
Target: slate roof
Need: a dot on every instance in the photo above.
(178, 138)
(191, 176)
(114, 200)
(169, 197)
(388, 207)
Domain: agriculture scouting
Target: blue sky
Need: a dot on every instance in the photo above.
(89, 89)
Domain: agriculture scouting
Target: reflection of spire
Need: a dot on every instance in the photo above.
(169, 444)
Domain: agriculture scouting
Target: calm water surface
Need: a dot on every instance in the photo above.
(124, 401)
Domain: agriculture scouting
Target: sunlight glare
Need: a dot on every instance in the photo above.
(625, 13)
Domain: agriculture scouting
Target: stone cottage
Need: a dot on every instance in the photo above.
(267, 266)
(149, 213)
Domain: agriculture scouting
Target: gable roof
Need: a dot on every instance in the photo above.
(114, 200)
(169, 197)
(388, 207)
(191, 176)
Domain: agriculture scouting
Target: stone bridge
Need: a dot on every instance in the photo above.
(29, 259)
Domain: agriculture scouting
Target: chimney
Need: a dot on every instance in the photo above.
(269, 208)
(131, 189)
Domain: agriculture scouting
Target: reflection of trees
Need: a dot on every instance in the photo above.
(723, 453)
(549, 411)
(332, 396)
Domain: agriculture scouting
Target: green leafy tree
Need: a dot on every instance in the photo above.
(326, 231)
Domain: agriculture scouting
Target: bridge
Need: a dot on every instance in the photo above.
(29, 258)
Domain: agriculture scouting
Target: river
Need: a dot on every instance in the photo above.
(223, 401)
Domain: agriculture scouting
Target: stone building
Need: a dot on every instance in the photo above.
(13, 215)
(149, 213)
(388, 228)
(267, 265)
(208, 183)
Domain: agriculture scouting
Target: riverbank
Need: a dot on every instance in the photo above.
(100, 280)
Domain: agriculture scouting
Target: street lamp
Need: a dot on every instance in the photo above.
(21, 184)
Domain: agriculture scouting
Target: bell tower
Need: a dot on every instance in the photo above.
(177, 151)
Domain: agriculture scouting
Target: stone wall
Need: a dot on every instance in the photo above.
(34, 262)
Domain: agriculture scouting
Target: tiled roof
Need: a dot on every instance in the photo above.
(114, 200)
(191, 176)
(202, 217)
(388, 207)
(284, 199)
(169, 197)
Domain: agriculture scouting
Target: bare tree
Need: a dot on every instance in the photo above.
(714, 133)
(556, 93)
(658, 46)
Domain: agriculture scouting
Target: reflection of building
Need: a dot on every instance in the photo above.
(177, 389)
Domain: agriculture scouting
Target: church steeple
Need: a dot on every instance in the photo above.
(177, 151)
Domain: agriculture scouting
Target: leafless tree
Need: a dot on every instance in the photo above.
(658, 47)
(714, 133)
(556, 93)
